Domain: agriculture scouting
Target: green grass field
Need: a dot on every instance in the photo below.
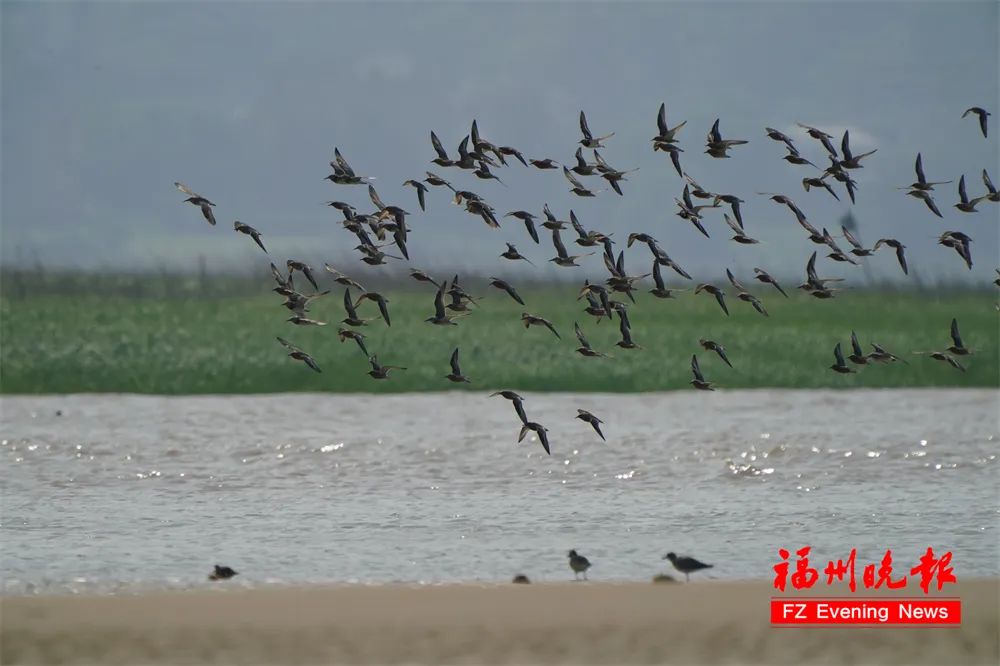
(225, 342)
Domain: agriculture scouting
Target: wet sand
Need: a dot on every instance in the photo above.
(593, 623)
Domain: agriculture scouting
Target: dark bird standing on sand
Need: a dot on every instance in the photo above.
(588, 140)
(686, 565)
(197, 200)
(505, 286)
(539, 430)
(249, 231)
(711, 345)
(699, 380)
(983, 114)
(579, 564)
(381, 371)
(517, 400)
(222, 573)
(456, 371)
(840, 365)
(586, 416)
(298, 354)
(898, 247)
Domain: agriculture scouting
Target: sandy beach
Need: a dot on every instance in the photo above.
(596, 623)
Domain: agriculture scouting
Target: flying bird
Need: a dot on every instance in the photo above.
(585, 349)
(587, 417)
(719, 294)
(421, 191)
(840, 365)
(379, 371)
(298, 354)
(505, 286)
(249, 231)
(589, 141)
(456, 371)
(711, 345)
(699, 380)
(898, 247)
(717, 146)
(517, 401)
(983, 114)
(964, 203)
(197, 200)
(530, 320)
(765, 277)
(539, 430)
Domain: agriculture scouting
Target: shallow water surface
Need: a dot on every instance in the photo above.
(126, 493)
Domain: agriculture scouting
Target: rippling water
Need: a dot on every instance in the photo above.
(124, 493)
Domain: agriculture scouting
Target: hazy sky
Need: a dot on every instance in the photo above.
(105, 104)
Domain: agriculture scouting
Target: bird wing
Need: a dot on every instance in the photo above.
(287, 345)
(349, 305)
(845, 146)
(576, 224)
(438, 148)
(661, 119)
(733, 281)
(850, 237)
(961, 190)
(439, 302)
(988, 183)
(376, 199)
(956, 337)
(580, 336)
(543, 436)
(920, 169)
(186, 190)
(811, 268)
(657, 275)
(839, 355)
(584, 128)
(558, 244)
(454, 363)
(695, 369)
(342, 162)
(855, 345)
(573, 181)
(715, 135)
(732, 224)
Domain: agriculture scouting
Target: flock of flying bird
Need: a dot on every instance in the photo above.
(388, 225)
